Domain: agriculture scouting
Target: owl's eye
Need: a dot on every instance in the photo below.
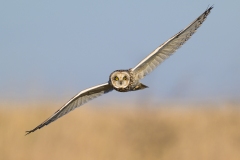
(125, 78)
(116, 78)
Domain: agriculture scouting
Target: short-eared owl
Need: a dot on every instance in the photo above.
(128, 80)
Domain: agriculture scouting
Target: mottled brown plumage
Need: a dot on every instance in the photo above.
(134, 84)
(128, 80)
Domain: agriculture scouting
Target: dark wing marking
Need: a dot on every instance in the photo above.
(148, 64)
(78, 100)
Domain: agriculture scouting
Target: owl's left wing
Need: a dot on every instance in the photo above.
(78, 100)
(148, 64)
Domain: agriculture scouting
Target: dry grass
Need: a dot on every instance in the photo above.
(122, 134)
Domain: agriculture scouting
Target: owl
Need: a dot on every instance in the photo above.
(129, 80)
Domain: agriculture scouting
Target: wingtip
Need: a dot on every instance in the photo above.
(27, 132)
(208, 10)
(211, 7)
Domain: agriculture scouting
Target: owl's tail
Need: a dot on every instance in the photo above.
(140, 86)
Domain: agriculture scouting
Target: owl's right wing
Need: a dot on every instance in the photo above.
(78, 100)
(148, 64)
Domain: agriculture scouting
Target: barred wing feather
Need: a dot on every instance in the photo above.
(161, 53)
(78, 100)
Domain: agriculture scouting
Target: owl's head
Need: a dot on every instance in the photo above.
(120, 79)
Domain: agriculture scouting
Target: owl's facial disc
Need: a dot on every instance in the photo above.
(120, 79)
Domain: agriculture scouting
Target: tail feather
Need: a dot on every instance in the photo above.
(140, 86)
(143, 86)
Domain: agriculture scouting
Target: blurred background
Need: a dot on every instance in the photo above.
(49, 51)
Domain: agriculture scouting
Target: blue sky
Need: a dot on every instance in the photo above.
(57, 48)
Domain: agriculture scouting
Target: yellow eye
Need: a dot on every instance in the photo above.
(125, 78)
(116, 78)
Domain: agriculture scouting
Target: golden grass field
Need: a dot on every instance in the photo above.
(169, 132)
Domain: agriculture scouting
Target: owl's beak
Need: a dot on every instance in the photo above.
(120, 82)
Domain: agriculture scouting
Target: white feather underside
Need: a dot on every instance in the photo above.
(77, 101)
(146, 66)
(165, 50)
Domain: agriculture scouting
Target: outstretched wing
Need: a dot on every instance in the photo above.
(148, 64)
(78, 100)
